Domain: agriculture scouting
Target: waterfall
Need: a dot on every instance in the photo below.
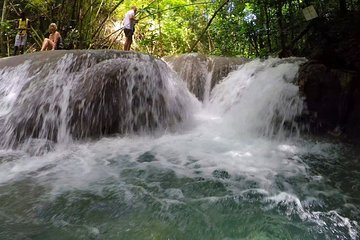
(202, 73)
(90, 94)
(110, 145)
(260, 98)
(76, 95)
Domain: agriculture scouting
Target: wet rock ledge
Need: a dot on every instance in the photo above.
(330, 80)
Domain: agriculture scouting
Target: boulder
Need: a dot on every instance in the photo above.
(332, 97)
(330, 80)
(81, 94)
(202, 73)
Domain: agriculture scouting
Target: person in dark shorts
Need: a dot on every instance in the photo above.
(129, 24)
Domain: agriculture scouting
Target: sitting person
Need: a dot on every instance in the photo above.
(54, 42)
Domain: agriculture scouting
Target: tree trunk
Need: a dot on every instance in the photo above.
(208, 25)
(279, 16)
(160, 44)
(254, 43)
(343, 9)
(73, 14)
(210, 42)
(291, 20)
(267, 25)
(81, 25)
(94, 35)
(1, 32)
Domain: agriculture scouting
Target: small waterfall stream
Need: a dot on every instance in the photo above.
(260, 98)
(112, 145)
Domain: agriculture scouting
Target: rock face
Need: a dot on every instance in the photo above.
(59, 95)
(202, 73)
(332, 97)
(330, 80)
(335, 40)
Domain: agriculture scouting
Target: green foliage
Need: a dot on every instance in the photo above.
(6, 27)
(255, 28)
(72, 39)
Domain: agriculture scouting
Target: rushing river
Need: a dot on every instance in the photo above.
(241, 169)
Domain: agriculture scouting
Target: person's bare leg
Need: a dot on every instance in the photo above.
(127, 45)
(16, 48)
(45, 44)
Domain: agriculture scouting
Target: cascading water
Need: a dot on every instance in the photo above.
(85, 95)
(202, 73)
(262, 100)
(238, 171)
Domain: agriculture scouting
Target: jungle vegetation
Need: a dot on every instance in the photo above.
(253, 28)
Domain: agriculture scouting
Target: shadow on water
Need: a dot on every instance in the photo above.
(340, 169)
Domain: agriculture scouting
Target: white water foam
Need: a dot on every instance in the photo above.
(260, 99)
(330, 220)
(12, 82)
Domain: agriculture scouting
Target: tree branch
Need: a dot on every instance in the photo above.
(208, 25)
(105, 19)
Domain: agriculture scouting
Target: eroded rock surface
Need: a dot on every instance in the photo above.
(59, 95)
(202, 73)
(332, 96)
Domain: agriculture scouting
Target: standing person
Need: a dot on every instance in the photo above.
(54, 41)
(129, 24)
(22, 25)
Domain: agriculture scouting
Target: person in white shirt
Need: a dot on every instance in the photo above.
(129, 24)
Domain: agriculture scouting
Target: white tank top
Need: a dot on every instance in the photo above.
(127, 22)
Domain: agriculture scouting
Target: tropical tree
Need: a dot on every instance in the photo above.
(254, 28)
